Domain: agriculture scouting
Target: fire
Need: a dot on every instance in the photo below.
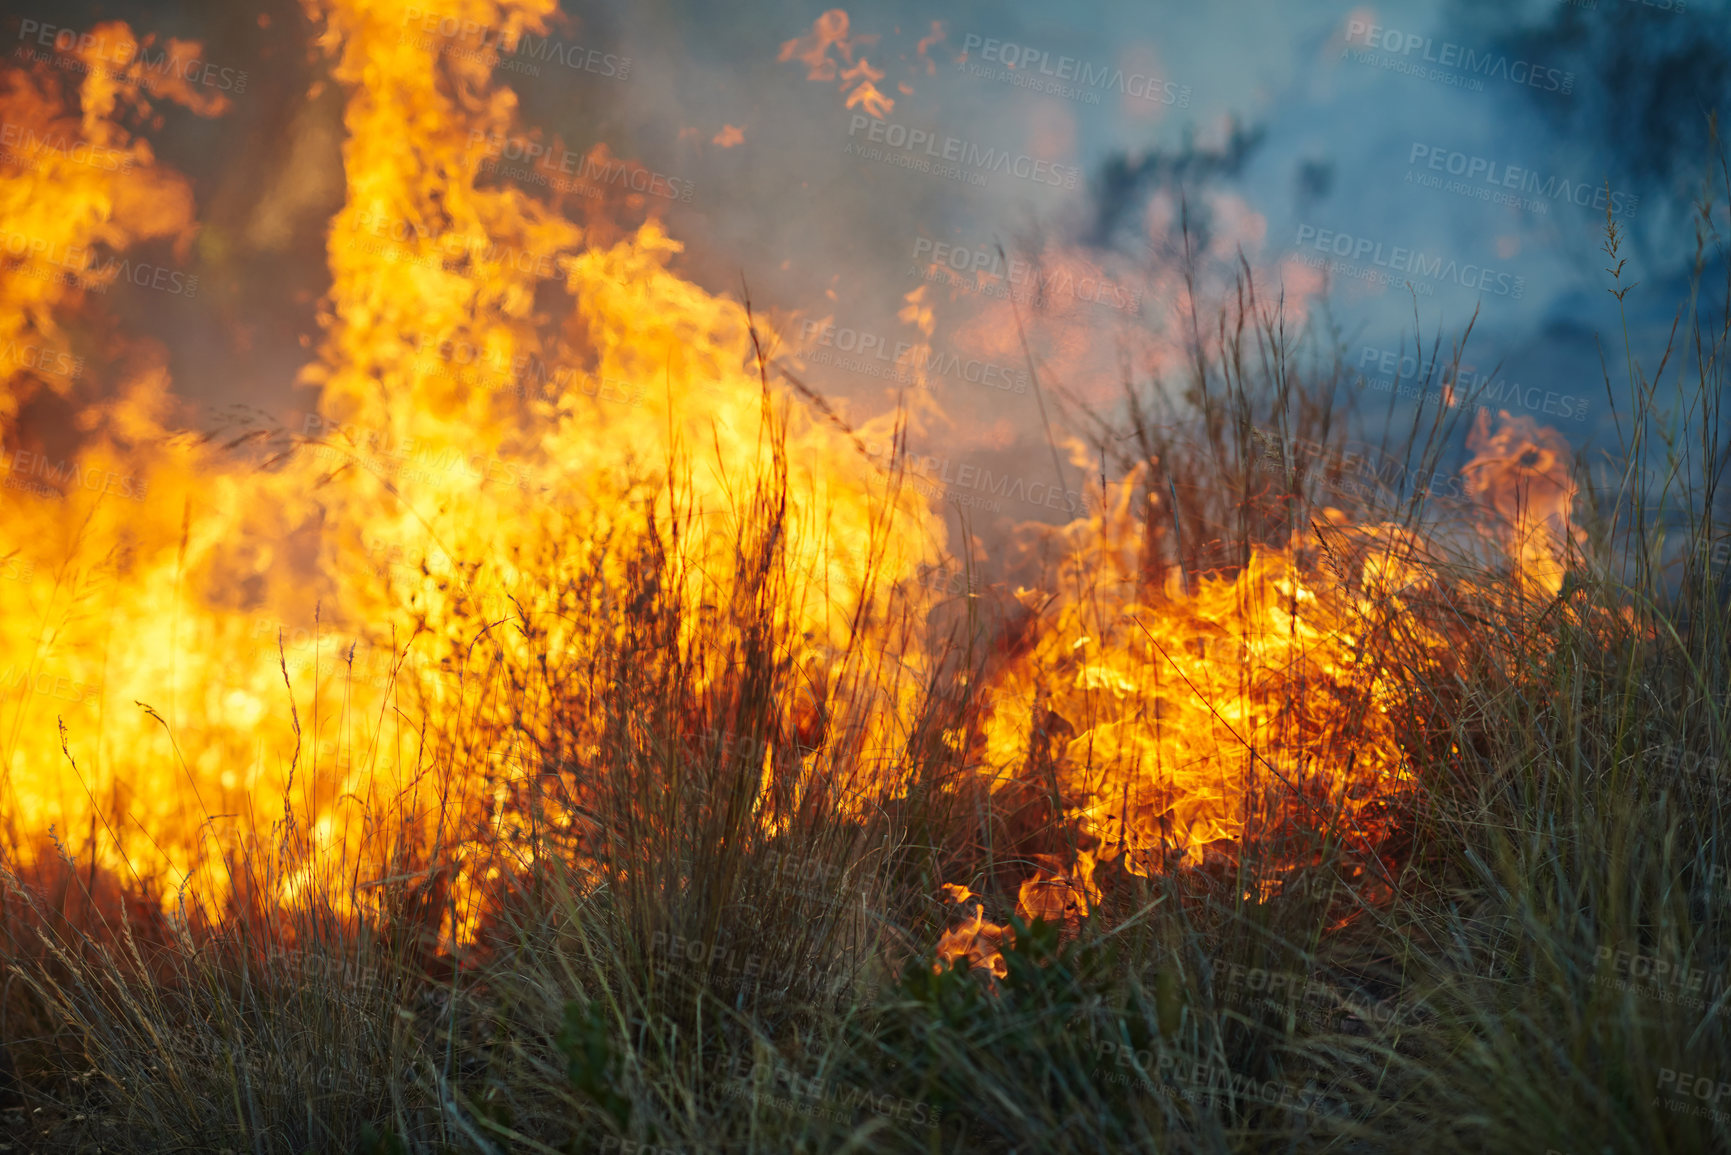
(829, 33)
(89, 619)
(1184, 716)
(210, 660)
(1170, 713)
(976, 941)
(1522, 473)
(176, 603)
(1060, 894)
(1056, 894)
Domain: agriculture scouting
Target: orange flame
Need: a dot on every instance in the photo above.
(1522, 473)
(830, 32)
(977, 942)
(191, 618)
(177, 603)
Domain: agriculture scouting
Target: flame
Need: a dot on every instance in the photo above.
(1170, 713)
(1061, 895)
(198, 637)
(178, 603)
(927, 43)
(829, 32)
(89, 622)
(1522, 472)
(976, 941)
(1185, 716)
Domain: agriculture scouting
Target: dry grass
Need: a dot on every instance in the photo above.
(671, 974)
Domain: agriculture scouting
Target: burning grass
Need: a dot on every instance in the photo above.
(1246, 811)
(705, 920)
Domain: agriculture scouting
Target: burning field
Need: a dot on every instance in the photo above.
(585, 726)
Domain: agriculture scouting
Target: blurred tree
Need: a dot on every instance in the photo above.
(1121, 186)
(1649, 76)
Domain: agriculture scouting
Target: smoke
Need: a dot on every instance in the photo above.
(860, 184)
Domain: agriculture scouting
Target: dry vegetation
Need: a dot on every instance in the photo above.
(1529, 955)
